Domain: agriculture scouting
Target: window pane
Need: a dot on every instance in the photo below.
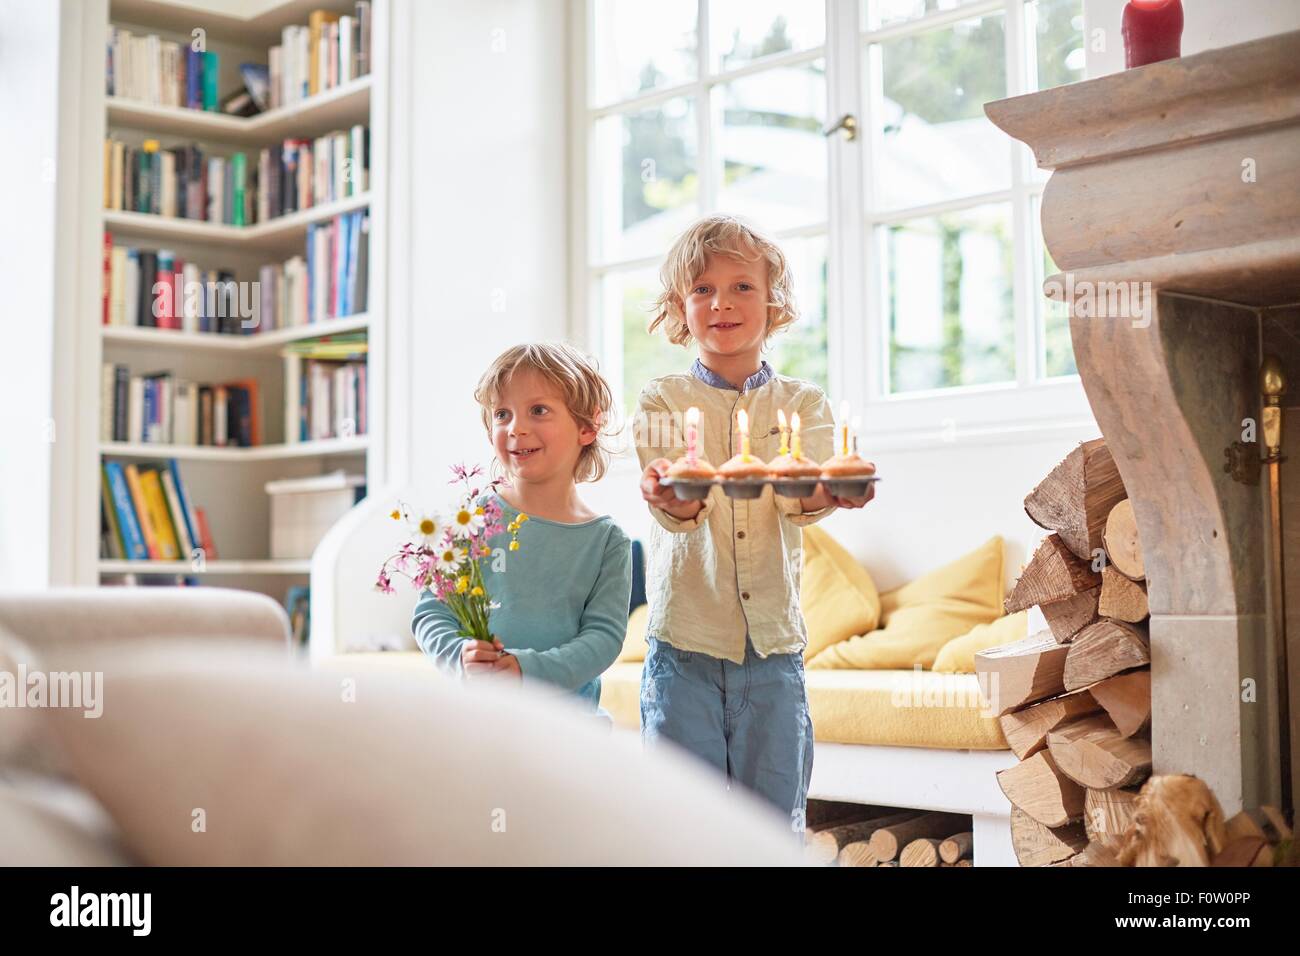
(648, 179)
(627, 303)
(879, 13)
(742, 31)
(1057, 30)
(947, 299)
(937, 143)
(1057, 355)
(639, 47)
(801, 349)
(771, 146)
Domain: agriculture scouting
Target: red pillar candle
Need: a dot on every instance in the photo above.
(1153, 31)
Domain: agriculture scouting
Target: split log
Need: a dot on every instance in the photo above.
(964, 863)
(1026, 730)
(1122, 599)
(887, 841)
(825, 845)
(1076, 498)
(958, 847)
(1107, 814)
(1022, 672)
(1037, 845)
(1055, 573)
(1092, 753)
(1067, 618)
(1103, 650)
(857, 854)
(922, 852)
(1038, 787)
(1122, 544)
(1126, 698)
(1094, 854)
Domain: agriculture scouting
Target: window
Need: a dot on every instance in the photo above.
(696, 106)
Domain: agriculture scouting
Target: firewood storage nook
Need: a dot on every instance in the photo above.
(1173, 211)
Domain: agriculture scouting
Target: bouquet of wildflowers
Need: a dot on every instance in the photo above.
(443, 552)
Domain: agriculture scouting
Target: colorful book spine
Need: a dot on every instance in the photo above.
(133, 541)
(211, 68)
(177, 515)
(156, 503)
(116, 545)
(183, 499)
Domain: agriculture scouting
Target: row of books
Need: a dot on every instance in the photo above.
(147, 515)
(184, 182)
(160, 409)
(331, 398)
(161, 72)
(330, 50)
(155, 288)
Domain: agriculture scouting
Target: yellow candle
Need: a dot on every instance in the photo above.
(692, 433)
(844, 427)
(785, 432)
(796, 448)
(742, 423)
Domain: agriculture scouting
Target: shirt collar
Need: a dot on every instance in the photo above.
(710, 377)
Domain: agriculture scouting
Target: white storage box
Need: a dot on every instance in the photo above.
(303, 509)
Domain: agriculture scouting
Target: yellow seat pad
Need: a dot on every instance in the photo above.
(894, 708)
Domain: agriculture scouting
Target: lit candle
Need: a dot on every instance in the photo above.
(742, 423)
(796, 447)
(1152, 31)
(844, 427)
(785, 432)
(692, 433)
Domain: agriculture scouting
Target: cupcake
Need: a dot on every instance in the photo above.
(743, 476)
(691, 480)
(794, 476)
(848, 475)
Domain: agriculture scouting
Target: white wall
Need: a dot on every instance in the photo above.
(483, 117)
(1207, 24)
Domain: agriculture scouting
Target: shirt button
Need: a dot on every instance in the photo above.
(740, 534)
(745, 595)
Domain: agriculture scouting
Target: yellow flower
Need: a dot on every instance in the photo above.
(514, 545)
(478, 511)
(522, 518)
(477, 592)
(512, 527)
(462, 585)
(396, 515)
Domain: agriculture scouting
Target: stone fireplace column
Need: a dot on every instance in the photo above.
(1174, 209)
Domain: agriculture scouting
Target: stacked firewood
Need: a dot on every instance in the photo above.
(850, 834)
(1074, 700)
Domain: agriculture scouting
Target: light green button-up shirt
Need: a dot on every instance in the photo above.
(734, 568)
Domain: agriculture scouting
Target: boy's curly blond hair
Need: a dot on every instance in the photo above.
(721, 235)
(575, 376)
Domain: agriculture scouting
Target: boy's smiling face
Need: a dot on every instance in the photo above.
(726, 308)
(535, 437)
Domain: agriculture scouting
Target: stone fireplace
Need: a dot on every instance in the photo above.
(1173, 211)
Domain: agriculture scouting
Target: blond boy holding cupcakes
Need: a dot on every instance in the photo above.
(723, 676)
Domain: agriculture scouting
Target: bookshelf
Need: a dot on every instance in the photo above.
(228, 481)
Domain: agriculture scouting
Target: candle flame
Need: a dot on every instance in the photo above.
(794, 422)
(780, 417)
(742, 421)
(692, 416)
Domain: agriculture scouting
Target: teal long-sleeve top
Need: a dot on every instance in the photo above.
(564, 603)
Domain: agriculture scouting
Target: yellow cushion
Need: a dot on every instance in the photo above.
(634, 644)
(921, 617)
(837, 595)
(881, 707)
(958, 655)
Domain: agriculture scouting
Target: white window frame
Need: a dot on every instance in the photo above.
(1029, 404)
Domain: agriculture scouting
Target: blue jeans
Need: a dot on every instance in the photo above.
(750, 721)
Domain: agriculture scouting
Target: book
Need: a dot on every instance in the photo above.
(115, 546)
(142, 513)
(156, 504)
(205, 535)
(186, 508)
(211, 69)
(175, 511)
(133, 543)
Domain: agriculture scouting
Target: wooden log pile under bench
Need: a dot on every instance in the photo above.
(858, 835)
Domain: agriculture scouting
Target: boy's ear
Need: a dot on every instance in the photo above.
(586, 436)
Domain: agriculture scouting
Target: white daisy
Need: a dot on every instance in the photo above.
(428, 528)
(449, 558)
(468, 522)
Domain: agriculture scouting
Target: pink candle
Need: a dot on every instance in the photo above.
(692, 433)
(1152, 30)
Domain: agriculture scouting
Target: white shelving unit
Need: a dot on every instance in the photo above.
(228, 481)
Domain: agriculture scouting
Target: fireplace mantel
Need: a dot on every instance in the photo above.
(1173, 210)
